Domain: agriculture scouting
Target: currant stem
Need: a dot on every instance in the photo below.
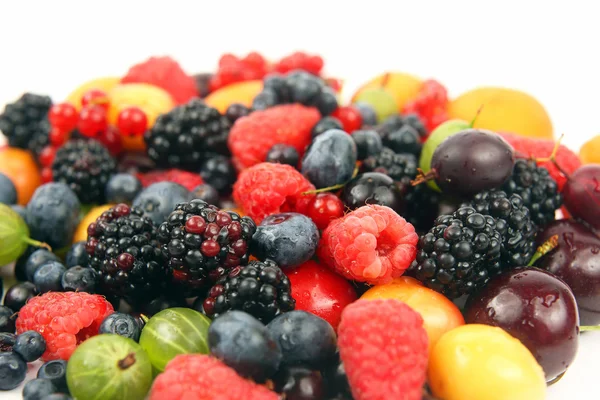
(544, 249)
(586, 328)
(334, 187)
(552, 156)
(37, 243)
(144, 318)
(423, 177)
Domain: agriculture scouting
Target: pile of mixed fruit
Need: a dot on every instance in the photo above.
(244, 234)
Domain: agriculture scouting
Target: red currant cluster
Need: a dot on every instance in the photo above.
(431, 104)
(300, 60)
(350, 118)
(234, 69)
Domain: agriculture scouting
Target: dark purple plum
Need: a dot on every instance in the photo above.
(581, 194)
(330, 159)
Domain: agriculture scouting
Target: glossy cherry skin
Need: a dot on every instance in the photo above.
(535, 307)
(582, 194)
(576, 261)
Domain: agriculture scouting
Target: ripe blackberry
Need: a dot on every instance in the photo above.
(422, 207)
(182, 137)
(123, 250)
(259, 288)
(202, 243)
(85, 166)
(537, 188)
(460, 253)
(402, 167)
(25, 122)
(219, 172)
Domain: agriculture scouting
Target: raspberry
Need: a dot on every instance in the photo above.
(165, 73)
(233, 69)
(187, 179)
(251, 137)
(300, 60)
(383, 346)
(542, 148)
(64, 320)
(201, 377)
(431, 104)
(270, 188)
(371, 244)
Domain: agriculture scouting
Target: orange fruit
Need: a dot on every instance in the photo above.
(504, 110)
(241, 92)
(21, 168)
(105, 84)
(404, 87)
(91, 216)
(590, 151)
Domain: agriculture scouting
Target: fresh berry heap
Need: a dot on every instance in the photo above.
(300, 60)
(233, 69)
(431, 104)
(25, 122)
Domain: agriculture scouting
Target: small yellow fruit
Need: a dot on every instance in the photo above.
(105, 84)
(590, 151)
(241, 92)
(404, 87)
(91, 216)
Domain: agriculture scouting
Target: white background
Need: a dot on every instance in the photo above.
(547, 48)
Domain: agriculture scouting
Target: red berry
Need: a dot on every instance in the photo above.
(58, 137)
(111, 140)
(46, 174)
(195, 225)
(325, 208)
(63, 116)
(431, 104)
(349, 117)
(92, 121)
(210, 248)
(125, 261)
(185, 178)
(132, 121)
(95, 97)
(46, 156)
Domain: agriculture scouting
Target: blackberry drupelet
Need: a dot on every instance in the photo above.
(203, 243)
(85, 166)
(124, 251)
(422, 207)
(514, 224)
(537, 188)
(25, 122)
(459, 254)
(219, 172)
(259, 288)
(402, 168)
(184, 136)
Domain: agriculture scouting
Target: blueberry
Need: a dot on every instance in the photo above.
(37, 389)
(244, 343)
(53, 214)
(372, 188)
(12, 370)
(77, 255)
(289, 239)
(327, 101)
(159, 199)
(22, 211)
(56, 371)
(414, 121)
(38, 258)
(236, 111)
(122, 188)
(298, 383)
(277, 85)
(8, 192)
(404, 140)
(7, 341)
(7, 320)
(79, 279)
(283, 154)
(219, 172)
(20, 271)
(121, 324)
(337, 382)
(265, 99)
(18, 295)
(304, 88)
(325, 124)
(304, 338)
(330, 159)
(48, 278)
(207, 193)
(368, 143)
(30, 345)
(390, 124)
(367, 113)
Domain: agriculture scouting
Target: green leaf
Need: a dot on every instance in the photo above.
(14, 236)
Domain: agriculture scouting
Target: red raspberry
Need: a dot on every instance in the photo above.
(64, 320)
(431, 104)
(542, 148)
(350, 118)
(166, 73)
(371, 244)
(201, 377)
(270, 188)
(300, 60)
(383, 346)
(187, 179)
(233, 69)
(251, 137)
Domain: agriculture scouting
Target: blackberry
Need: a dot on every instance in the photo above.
(422, 207)
(184, 136)
(513, 222)
(404, 140)
(219, 172)
(25, 122)
(537, 189)
(202, 243)
(459, 254)
(85, 166)
(124, 251)
(395, 122)
(283, 154)
(401, 167)
(259, 288)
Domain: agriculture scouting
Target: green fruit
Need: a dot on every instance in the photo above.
(109, 367)
(436, 137)
(382, 101)
(14, 236)
(174, 331)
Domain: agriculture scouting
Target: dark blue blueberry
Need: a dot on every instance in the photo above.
(390, 124)
(121, 324)
(283, 154)
(122, 188)
(277, 84)
(327, 101)
(299, 383)
(219, 172)
(330, 159)
(207, 193)
(404, 140)
(236, 111)
(265, 99)
(337, 382)
(7, 341)
(325, 124)
(38, 258)
(367, 113)
(289, 239)
(56, 371)
(304, 338)
(77, 255)
(304, 88)
(48, 277)
(30, 345)
(38, 389)
(7, 320)
(414, 121)
(12, 370)
(368, 143)
(79, 279)
(159, 199)
(53, 214)
(22, 211)
(18, 295)
(244, 343)
(372, 188)
(8, 192)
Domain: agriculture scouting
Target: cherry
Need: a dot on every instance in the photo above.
(95, 97)
(132, 121)
(324, 208)
(92, 121)
(349, 117)
(46, 156)
(58, 136)
(63, 116)
(535, 307)
(581, 194)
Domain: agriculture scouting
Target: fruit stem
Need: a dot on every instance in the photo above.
(584, 328)
(37, 243)
(144, 318)
(552, 156)
(476, 116)
(127, 362)
(423, 177)
(384, 80)
(544, 249)
(334, 187)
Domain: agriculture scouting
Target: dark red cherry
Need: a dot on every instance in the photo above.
(582, 194)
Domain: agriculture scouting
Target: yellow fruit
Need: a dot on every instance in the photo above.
(105, 84)
(242, 92)
(91, 216)
(403, 87)
(20, 167)
(481, 362)
(504, 110)
(590, 151)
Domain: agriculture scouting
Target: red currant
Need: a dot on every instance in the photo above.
(63, 116)
(58, 137)
(132, 121)
(92, 120)
(46, 156)
(95, 97)
(325, 208)
(46, 174)
(349, 117)
(111, 140)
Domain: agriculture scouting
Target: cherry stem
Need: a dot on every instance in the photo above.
(127, 362)
(544, 249)
(476, 116)
(144, 318)
(384, 81)
(334, 187)
(423, 177)
(37, 243)
(552, 156)
(584, 328)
